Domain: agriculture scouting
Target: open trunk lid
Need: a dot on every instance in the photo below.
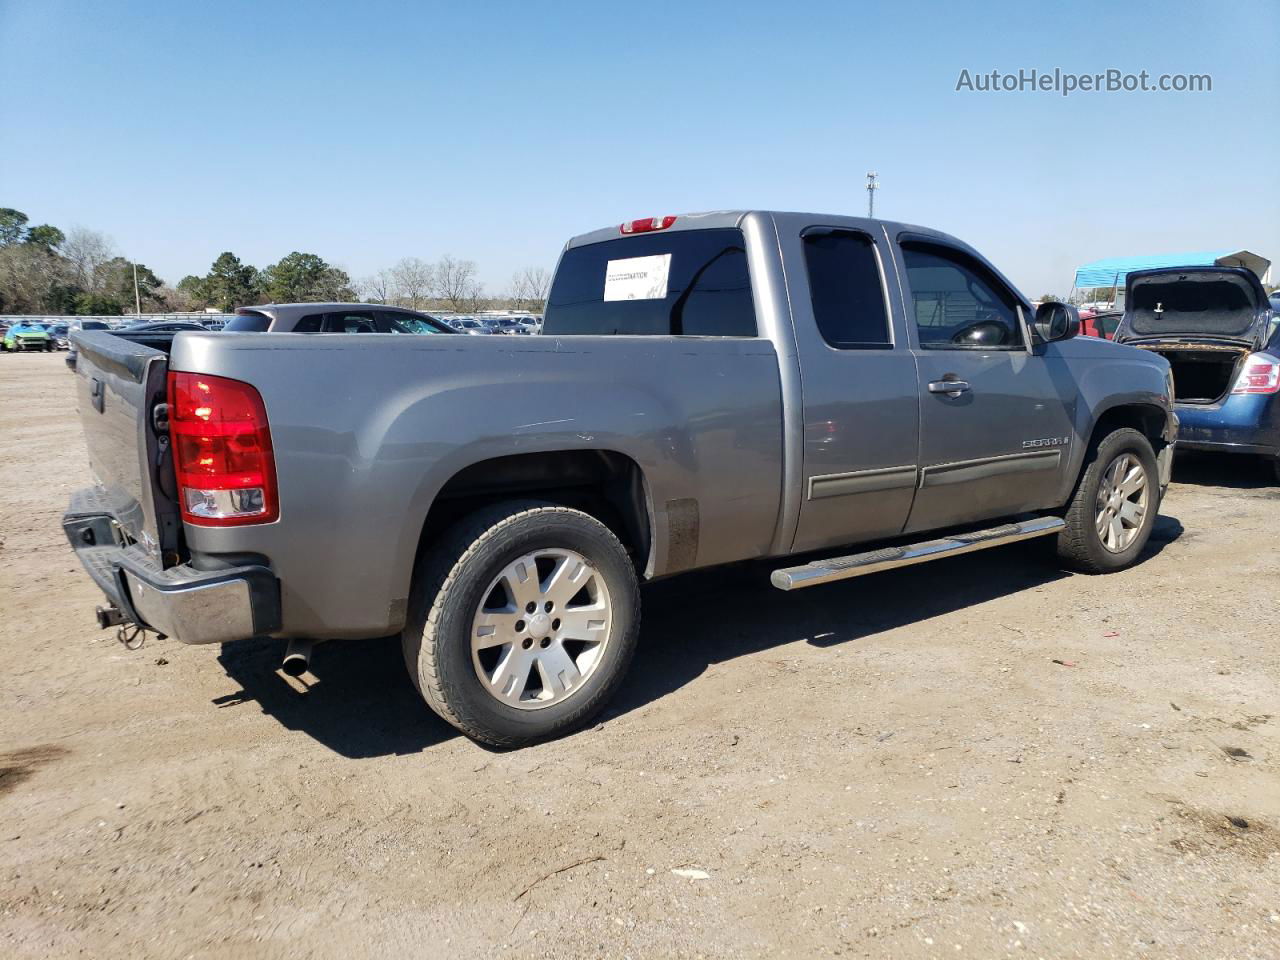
(1204, 320)
(120, 383)
(1217, 303)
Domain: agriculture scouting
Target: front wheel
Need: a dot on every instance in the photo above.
(1114, 508)
(525, 618)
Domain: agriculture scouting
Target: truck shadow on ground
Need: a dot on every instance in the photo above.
(358, 701)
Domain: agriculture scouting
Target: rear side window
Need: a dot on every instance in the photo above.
(349, 322)
(845, 289)
(248, 323)
(691, 283)
(311, 323)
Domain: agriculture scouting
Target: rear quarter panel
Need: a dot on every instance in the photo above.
(368, 428)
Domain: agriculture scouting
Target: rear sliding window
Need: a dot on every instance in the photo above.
(691, 283)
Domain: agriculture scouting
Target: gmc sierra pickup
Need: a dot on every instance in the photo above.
(707, 389)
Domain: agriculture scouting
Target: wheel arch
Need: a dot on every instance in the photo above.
(608, 485)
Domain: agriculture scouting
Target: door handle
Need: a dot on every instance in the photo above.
(952, 388)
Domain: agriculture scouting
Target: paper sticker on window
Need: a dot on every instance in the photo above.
(637, 278)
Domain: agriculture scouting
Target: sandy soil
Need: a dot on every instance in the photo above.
(891, 767)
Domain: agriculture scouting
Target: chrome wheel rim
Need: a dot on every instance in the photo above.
(1122, 503)
(541, 629)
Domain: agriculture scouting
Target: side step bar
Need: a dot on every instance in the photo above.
(873, 561)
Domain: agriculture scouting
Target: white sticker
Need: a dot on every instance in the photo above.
(637, 278)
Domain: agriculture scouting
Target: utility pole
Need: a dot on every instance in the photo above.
(872, 186)
(137, 300)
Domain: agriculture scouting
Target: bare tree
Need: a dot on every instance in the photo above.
(456, 282)
(530, 287)
(87, 250)
(411, 280)
(378, 287)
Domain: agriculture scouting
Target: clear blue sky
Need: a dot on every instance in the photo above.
(367, 132)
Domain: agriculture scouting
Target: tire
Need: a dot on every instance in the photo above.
(468, 576)
(1275, 469)
(1081, 545)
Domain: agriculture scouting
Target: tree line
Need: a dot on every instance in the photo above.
(44, 270)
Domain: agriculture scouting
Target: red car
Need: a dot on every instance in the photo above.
(1100, 324)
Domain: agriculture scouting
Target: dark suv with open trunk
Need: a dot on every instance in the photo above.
(1218, 331)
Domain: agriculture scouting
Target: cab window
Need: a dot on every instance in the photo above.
(691, 283)
(956, 303)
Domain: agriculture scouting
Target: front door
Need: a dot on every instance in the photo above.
(995, 418)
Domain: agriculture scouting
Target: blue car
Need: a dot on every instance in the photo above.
(1221, 335)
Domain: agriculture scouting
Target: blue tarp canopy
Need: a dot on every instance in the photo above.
(1112, 272)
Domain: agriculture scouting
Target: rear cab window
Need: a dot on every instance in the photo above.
(691, 283)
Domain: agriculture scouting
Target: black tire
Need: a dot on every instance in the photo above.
(1275, 468)
(451, 584)
(1079, 544)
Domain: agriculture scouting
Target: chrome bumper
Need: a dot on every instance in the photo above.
(193, 606)
(195, 613)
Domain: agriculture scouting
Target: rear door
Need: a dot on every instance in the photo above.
(996, 419)
(861, 400)
(349, 321)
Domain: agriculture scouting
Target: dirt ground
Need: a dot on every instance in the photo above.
(898, 766)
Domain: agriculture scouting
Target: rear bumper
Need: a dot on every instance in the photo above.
(193, 606)
(1243, 423)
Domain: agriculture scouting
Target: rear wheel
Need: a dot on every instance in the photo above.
(525, 620)
(1114, 508)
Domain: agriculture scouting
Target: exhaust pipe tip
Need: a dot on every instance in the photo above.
(297, 657)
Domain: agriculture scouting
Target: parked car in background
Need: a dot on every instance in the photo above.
(1102, 324)
(469, 325)
(166, 326)
(1218, 330)
(512, 326)
(23, 337)
(81, 325)
(708, 390)
(332, 318)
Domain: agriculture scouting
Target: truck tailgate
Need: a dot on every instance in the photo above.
(119, 383)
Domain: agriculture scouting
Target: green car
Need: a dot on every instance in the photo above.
(28, 336)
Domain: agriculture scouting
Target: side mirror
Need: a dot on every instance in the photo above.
(1056, 321)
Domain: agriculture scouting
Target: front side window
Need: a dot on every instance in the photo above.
(690, 283)
(845, 290)
(956, 303)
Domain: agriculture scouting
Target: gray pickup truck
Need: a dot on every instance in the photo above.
(707, 389)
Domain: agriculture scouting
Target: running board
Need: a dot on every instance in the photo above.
(873, 561)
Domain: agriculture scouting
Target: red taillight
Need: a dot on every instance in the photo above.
(647, 225)
(1261, 374)
(221, 451)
